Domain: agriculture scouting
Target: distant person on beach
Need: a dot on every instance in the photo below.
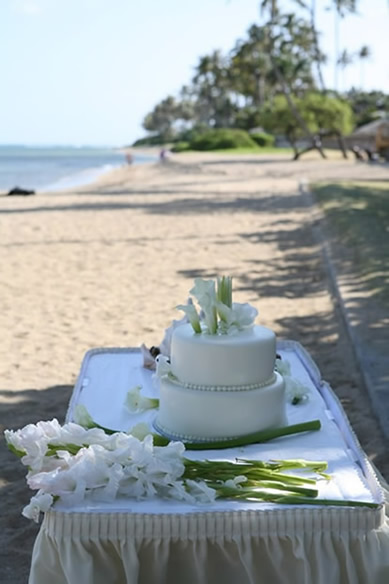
(129, 158)
(163, 155)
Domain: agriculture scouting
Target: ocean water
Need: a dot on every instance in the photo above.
(57, 168)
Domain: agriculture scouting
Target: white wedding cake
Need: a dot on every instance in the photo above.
(219, 382)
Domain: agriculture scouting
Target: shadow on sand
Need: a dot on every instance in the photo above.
(17, 534)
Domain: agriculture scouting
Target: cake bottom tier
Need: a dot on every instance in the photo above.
(216, 414)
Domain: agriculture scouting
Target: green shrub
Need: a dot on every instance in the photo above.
(180, 147)
(222, 138)
(153, 140)
(263, 139)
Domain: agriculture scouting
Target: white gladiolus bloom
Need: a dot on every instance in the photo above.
(32, 441)
(74, 464)
(200, 491)
(40, 503)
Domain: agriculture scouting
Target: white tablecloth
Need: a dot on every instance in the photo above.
(171, 542)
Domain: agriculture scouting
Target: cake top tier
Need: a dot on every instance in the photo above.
(241, 359)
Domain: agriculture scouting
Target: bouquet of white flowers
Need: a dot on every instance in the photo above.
(73, 463)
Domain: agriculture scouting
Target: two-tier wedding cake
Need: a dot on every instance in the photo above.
(219, 381)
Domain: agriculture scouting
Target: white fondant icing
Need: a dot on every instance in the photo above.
(201, 414)
(244, 358)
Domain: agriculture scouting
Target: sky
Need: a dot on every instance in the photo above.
(86, 72)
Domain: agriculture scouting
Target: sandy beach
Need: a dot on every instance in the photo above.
(106, 264)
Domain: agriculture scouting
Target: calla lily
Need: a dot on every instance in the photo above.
(140, 431)
(283, 367)
(205, 293)
(192, 316)
(296, 392)
(82, 417)
(137, 403)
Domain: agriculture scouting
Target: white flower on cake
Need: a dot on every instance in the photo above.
(205, 293)
(192, 316)
(237, 317)
(296, 392)
(218, 313)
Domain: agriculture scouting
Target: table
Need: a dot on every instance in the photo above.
(170, 542)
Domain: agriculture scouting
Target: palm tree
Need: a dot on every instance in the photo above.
(211, 86)
(320, 58)
(342, 7)
(345, 59)
(272, 7)
(250, 68)
(363, 54)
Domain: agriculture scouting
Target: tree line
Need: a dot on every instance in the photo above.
(272, 80)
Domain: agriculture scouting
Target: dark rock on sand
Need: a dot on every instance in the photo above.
(20, 191)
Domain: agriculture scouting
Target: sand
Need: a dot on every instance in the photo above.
(106, 264)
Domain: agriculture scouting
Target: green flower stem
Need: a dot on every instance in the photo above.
(224, 470)
(290, 500)
(318, 466)
(275, 465)
(283, 487)
(258, 491)
(18, 453)
(159, 440)
(215, 473)
(211, 321)
(256, 437)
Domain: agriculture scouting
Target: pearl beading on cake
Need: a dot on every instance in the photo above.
(187, 437)
(248, 387)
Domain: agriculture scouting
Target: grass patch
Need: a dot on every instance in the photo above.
(358, 218)
(257, 150)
